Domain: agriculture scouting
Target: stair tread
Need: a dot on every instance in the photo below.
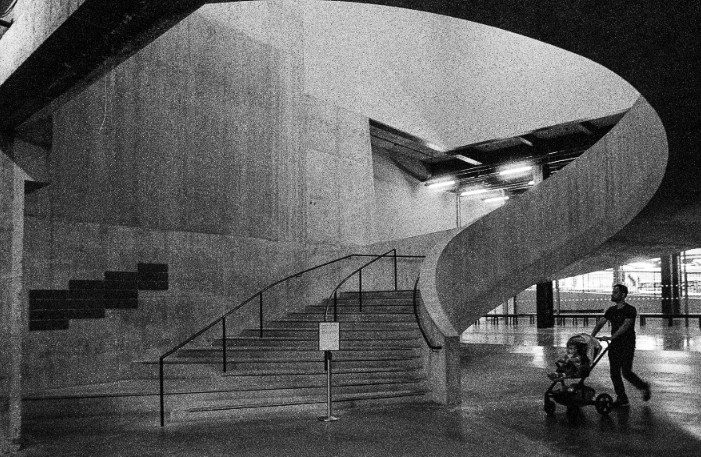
(150, 387)
(296, 400)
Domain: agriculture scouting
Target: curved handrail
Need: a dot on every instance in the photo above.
(418, 319)
(258, 294)
(359, 270)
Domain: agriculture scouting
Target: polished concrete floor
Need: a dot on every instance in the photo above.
(501, 415)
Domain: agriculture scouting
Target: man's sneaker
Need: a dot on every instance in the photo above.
(646, 392)
(620, 403)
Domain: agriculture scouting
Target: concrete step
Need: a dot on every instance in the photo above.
(313, 343)
(241, 354)
(402, 308)
(345, 325)
(352, 317)
(109, 401)
(367, 334)
(181, 367)
(402, 294)
(262, 396)
(294, 405)
(149, 370)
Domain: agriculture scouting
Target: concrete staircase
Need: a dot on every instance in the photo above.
(379, 361)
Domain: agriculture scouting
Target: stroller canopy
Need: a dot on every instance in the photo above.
(593, 347)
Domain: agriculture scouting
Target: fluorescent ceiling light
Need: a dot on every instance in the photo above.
(475, 192)
(435, 147)
(441, 184)
(525, 141)
(516, 170)
(495, 199)
(467, 159)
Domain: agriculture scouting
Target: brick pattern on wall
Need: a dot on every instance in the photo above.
(88, 299)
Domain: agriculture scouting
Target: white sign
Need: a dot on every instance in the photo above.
(328, 336)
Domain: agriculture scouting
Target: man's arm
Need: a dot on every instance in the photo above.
(599, 324)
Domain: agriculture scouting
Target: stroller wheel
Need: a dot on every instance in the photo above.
(548, 406)
(603, 404)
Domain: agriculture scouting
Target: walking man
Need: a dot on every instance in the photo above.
(622, 345)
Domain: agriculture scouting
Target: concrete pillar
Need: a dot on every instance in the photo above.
(544, 290)
(669, 269)
(12, 180)
(545, 317)
(444, 372)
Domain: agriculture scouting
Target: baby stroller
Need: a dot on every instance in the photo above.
(575, 394)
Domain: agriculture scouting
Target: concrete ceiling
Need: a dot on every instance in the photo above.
(448, 81)
(652, 45)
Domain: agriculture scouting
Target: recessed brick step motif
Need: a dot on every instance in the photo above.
(51, 309)
(380, 360)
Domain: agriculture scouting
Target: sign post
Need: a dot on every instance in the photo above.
(328, 341)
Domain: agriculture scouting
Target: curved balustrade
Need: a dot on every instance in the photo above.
(435, 347)
(532, 237)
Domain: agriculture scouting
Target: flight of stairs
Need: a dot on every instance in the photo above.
(51, 309)
(378, 361)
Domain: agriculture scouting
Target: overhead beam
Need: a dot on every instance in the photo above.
(64, 58)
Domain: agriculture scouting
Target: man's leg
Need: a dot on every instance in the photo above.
(627, 370)
(616, 379)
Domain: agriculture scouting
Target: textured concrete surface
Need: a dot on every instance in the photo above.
(12, 311)
(501, 415)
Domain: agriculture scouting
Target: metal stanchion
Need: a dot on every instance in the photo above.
(329, 413)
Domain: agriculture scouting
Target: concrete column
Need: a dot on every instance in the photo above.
(12, 180)
(544, 290)
(669, 269)
(444, 372)
(544, 305)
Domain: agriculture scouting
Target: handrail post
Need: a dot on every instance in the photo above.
(160, 377)
(396, 287)
(335, 303)
(223, 339)
(360, 288)
(260, 313)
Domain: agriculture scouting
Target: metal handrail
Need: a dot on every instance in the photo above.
(360, 281)
(418, 319)
(258, 295)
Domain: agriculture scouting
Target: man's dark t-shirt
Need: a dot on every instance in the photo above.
(617, 316)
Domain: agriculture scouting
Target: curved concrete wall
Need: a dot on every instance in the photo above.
(536, 235)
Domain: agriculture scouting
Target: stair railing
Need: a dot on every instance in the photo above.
(259, 295)
(435, 347)
(359, 271)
